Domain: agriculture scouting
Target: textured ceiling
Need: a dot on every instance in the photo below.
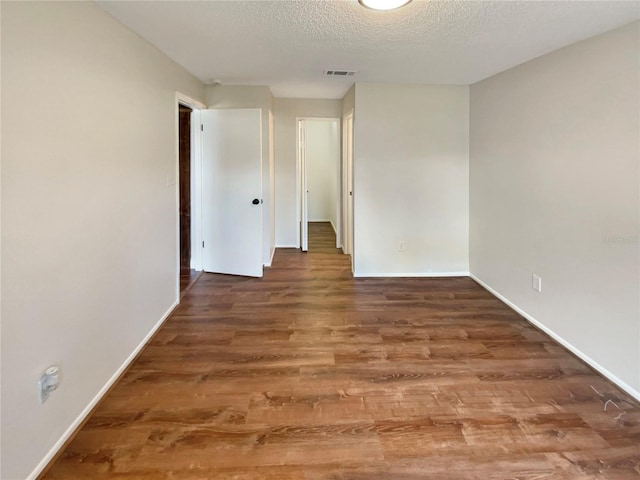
(288, 44)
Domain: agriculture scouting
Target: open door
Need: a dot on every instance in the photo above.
(304, 220)
(232, 191)
(347, 183)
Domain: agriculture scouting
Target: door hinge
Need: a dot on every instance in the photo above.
(203, 244)
(201, 127)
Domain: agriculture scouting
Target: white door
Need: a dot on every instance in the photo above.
(348, 185)
(232, 191)
(304, 222)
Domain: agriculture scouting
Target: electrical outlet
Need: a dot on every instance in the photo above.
(537, 283)
(401, 246)
(49, 382)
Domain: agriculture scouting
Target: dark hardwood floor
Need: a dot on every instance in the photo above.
(310, 374)
(187, 280)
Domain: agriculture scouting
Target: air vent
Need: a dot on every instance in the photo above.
(339, 73)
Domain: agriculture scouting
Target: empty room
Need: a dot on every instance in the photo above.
(320, 240)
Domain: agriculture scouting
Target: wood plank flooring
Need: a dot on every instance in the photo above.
(308, 374)
(187, 280)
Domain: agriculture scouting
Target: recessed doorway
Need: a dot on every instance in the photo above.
(319, 170)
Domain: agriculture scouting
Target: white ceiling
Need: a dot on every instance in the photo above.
(288, 44)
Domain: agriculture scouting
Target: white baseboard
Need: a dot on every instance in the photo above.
(288, 246)
(87, 410)
(623, 385)
(411, 275)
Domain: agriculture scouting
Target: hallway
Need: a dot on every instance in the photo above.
(309, 374)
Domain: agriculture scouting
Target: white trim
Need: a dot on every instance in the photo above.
(577, 352)
(287, 246)
(191, 102)
(411, 275)
(347, 222)
(300, 188)
(87, 410)
(273, 252)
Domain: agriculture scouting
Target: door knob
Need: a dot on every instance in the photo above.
(256, 201)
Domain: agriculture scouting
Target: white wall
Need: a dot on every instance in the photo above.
(322, 156)
(555, 146)
(89, 246)
(241, 96)
(411, 168)
(286, 112)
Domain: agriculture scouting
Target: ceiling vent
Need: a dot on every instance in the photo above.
(339, 73)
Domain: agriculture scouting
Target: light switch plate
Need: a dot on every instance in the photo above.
(537, 283)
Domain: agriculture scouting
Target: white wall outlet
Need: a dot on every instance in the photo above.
(537, 283)
(401, 246)
(49, 382)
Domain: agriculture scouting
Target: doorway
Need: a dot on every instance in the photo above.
(187, 184)
(319, 179)
(184, 187)
(188, 275)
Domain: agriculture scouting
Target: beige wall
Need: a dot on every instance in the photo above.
(411, 171)
(89, 240)
(241, 96)
(555, 146)
(89, 198)
(349, 101)
(286, 112)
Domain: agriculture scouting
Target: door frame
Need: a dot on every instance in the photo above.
(196, 182)
(347, 184)
(301, 182)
